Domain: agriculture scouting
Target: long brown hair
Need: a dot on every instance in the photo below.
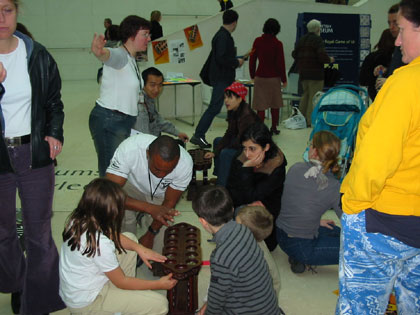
(100, 210)
(327, 146)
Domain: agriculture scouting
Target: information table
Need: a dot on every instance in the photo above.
(183, 81)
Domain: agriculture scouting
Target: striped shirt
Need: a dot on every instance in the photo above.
(240, 280)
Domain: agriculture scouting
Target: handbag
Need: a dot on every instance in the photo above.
(331, 75)
(205, 71)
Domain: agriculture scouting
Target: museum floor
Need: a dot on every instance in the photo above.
(301, 294)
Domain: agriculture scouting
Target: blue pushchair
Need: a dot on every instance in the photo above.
(339, 110)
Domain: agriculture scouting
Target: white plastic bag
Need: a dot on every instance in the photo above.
(296, 121)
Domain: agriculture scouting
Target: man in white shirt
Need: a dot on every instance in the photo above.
(154, 172)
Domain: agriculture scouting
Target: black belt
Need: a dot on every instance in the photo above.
(17, 141)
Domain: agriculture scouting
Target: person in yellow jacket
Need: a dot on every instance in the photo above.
(381, 193)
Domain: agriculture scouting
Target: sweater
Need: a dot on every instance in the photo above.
(269, 52)
(310, 56)
(385, 168)
(302, 204)
(240, 281)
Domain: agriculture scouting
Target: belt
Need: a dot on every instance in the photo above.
(17, 141)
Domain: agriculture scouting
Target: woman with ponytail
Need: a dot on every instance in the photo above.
(310, 189)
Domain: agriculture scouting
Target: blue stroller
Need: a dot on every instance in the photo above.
(339, 110)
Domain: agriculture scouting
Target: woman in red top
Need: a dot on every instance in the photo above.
(271, 73)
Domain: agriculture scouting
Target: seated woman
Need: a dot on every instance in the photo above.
(310, 190)
(240, 117)
(258, 173)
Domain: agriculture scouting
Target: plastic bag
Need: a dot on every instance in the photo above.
(296, 121)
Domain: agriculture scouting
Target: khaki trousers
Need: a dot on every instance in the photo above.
(112, 300)
(310, 87)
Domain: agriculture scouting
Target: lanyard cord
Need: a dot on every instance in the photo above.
(150, 185)
(135, 66)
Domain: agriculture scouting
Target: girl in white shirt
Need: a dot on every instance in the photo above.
(98, 264)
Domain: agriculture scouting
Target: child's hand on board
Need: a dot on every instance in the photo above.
(167, 282)
(147, 254)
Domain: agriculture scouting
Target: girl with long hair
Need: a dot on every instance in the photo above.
(310, 189)
(258, 173)
(98, 264)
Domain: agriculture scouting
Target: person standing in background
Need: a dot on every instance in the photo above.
(311, 56)
(270, 75)
(31, 122)
(221, 72)
(156, 29)
(225, 5)
(107, 24)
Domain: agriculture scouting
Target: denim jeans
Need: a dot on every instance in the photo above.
(223, 162)
(108, 130)
(35, 275)
(322, 250)
(216, 103)
(371, 266)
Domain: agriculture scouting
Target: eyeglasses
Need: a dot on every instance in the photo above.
(146, 34)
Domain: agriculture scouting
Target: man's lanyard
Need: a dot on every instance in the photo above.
(150, 185)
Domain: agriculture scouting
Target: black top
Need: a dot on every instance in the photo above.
(223, 58)
(225, 6)
(156, 30)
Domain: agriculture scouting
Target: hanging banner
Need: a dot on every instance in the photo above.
(193, 36)
(160, 52)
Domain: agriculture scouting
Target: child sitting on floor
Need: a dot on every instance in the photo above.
(260, 222)
(240, 281)
(93, 277)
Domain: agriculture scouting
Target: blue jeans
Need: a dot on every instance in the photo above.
(35, 275)
(108, 130)
(371, 266)
(223, 162)
(216, 103)
(322, 250)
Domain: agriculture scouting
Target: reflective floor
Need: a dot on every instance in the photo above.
(306, 293)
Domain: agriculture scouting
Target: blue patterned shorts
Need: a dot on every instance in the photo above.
(371, 266)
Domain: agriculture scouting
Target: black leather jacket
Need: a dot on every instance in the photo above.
(47, 114)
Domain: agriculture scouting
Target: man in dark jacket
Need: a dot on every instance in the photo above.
(222, 73)
(311, 56)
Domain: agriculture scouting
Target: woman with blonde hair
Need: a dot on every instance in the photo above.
(156, 29)
(310, 189)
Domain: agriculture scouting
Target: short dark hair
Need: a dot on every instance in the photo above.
(394, 8)
(271, 26)
(410, 9)
(108, 20)
(131, 25)
(166, 147)
(230, 16)
(113, 32)
(151, 71)
(213, 204)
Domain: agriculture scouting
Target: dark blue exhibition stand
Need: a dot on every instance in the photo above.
(346, 38)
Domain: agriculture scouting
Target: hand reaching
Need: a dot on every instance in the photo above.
(147, 254)
(183, 136)
(98, 47)
(164, 214)
(208, 155)
(167, 282)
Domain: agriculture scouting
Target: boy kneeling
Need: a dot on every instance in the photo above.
(240, 281)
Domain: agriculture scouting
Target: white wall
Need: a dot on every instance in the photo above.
(66, 28)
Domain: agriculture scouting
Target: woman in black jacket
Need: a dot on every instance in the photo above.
(258, 173)
(31, 120)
